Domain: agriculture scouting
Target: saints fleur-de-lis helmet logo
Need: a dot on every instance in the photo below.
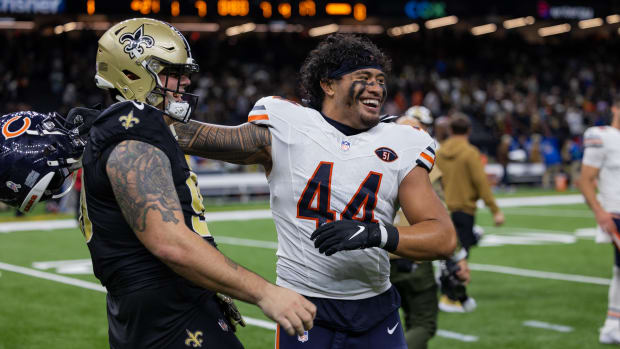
(134, 41)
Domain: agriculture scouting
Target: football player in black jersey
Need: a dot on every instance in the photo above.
(142, 213)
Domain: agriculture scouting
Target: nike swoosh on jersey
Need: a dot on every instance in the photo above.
(391, 330)
(357, 232)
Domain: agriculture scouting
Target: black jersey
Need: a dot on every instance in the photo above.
(120, 260)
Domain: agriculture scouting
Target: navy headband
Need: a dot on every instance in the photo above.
(346, 68)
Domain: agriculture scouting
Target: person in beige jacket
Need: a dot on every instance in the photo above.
(464, 181)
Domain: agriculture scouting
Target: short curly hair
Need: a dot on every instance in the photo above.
(336, 51)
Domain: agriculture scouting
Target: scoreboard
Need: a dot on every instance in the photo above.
(268, 10)
(358, 10)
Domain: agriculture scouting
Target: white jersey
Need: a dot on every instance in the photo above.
(321, 175)
(602, 150)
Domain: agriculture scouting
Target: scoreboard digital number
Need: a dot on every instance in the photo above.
(232, 8)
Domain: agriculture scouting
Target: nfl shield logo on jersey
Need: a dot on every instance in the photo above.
(303, 338)
(345, 145)
(14, 187)
(223, 325)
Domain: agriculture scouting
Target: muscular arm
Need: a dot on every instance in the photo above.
(587, 186)
(431, 234)
(141, 178)
(244, 144)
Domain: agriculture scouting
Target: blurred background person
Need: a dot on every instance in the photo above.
(600, 170)
(464, 182)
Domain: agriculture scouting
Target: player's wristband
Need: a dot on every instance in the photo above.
(459, 255)
(389, 237)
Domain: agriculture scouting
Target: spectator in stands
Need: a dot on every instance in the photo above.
(553, 161)
(571, 158)
(503, 158)
(534, 154)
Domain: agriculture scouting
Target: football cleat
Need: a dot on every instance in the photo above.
(609, 335)
(456, 306)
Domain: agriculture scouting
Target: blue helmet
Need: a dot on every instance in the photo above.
(37, 154)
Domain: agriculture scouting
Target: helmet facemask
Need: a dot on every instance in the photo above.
(162, 72)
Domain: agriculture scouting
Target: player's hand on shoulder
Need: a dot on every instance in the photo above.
(292, 311)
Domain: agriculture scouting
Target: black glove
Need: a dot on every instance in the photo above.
(82, 118)
(230, 310)
(451, 285)
(349, 235)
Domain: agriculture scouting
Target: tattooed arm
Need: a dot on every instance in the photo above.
(244, 144)
(141, 178)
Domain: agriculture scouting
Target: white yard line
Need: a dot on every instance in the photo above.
(9, 227)
(260, 323)
(458, 336)
(547, 326)
(538, 200)
(227, 240)
(96, 287)
(539, 274)
(53, 277)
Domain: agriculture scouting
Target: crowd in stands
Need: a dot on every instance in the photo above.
(537, 98)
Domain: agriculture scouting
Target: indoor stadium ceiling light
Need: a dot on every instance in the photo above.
(611, 19)
(197, 27)
(590, 23)
(403, 29)
(363, 29)
(441, 22)
(554, 30)
(323, 30)
(240, 29)
(12, 24)
(518, 22)
(99, 25)
(67, 27)
(279, 27)
(484, 29)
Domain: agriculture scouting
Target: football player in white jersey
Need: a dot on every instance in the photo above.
(337, 175)
(600, 169)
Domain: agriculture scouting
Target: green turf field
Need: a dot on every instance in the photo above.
(539, 243)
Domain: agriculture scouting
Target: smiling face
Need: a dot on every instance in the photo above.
(356, 98)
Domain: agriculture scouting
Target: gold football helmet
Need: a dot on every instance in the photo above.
(132, 53)
(421, 113)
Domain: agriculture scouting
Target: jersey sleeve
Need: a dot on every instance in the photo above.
(594, 154)
(268, 111)
(420, 152)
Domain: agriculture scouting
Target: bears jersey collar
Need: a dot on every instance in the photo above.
(346, 130)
